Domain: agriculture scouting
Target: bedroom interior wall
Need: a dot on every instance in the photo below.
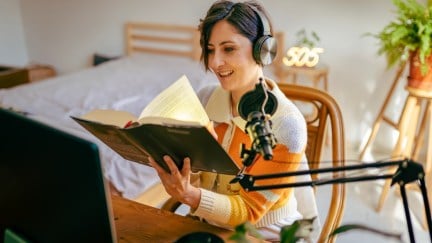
(67, 33)
(13, 51)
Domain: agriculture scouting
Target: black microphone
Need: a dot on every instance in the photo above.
(256, 107)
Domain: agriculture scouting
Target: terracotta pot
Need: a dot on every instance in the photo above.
(416, 79)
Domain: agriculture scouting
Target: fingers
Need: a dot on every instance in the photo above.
(177, 183)
(186, 167)
(171, 165)
(155, 165)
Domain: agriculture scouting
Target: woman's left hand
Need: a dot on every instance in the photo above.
(177, 183)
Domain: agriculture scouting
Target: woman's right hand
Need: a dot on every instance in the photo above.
(177, 183)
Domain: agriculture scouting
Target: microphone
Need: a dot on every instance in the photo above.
(256, 107)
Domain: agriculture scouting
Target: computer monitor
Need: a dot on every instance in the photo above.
(51, 184)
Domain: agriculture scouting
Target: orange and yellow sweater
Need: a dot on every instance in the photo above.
(229, 205)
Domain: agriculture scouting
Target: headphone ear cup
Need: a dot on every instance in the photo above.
(265, 49)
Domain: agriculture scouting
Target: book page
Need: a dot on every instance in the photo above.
(110, 117)
(167, 121)
(179, 101)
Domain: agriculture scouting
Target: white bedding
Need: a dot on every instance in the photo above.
(127, 83)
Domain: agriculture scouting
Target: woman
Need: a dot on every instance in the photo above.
(228, 35)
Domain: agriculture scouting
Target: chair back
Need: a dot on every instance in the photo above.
(322, 110)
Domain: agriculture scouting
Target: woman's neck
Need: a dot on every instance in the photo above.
(236, 95)
(234, 110)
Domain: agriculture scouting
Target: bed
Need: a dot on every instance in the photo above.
(157, 54)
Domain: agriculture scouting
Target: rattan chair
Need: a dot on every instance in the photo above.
(322, 112)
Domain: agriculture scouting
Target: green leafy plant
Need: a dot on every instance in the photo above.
(410, 32)
(307, 39)
(242, 230)
(301, 229)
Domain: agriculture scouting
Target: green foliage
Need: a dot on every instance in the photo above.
(300, 229)
(410, 32)
(288, 233)
(292, 233)
(242, 230)
(304, 39)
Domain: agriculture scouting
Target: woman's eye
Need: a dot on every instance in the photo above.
(229, 49)
(210, 51)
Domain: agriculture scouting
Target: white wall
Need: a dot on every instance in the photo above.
(13, 50)
(66, 33)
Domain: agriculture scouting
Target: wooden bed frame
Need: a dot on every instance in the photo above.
(176, 40)
(162, 39)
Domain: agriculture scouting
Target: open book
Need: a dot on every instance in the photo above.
(173, 123)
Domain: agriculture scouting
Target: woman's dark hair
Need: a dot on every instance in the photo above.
(241, 15)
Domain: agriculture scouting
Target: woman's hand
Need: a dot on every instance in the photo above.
(177, 183)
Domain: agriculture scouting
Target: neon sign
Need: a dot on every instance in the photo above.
(302, 56)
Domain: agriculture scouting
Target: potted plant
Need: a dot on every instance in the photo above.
(408, 39)
(300, 231)
(304, 39)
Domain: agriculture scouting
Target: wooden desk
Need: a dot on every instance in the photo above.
(137, 222)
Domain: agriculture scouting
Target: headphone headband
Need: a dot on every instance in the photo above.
(265, 48)
(264, 22)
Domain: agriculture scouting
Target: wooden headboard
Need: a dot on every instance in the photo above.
(177, 40)
(164, 39)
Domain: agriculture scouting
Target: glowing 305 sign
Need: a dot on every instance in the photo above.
(302, 56)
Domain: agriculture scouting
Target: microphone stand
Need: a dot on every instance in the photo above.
(408, 171)
(259, 128)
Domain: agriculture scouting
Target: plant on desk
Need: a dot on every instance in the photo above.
(301, 230)
(242, 230)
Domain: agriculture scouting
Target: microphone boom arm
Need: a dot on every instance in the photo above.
(408, 171)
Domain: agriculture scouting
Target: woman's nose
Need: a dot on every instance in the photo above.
(216, 60)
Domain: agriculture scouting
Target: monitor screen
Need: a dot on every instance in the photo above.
(51, 184)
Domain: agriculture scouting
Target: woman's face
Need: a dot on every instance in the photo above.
(230, 58)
